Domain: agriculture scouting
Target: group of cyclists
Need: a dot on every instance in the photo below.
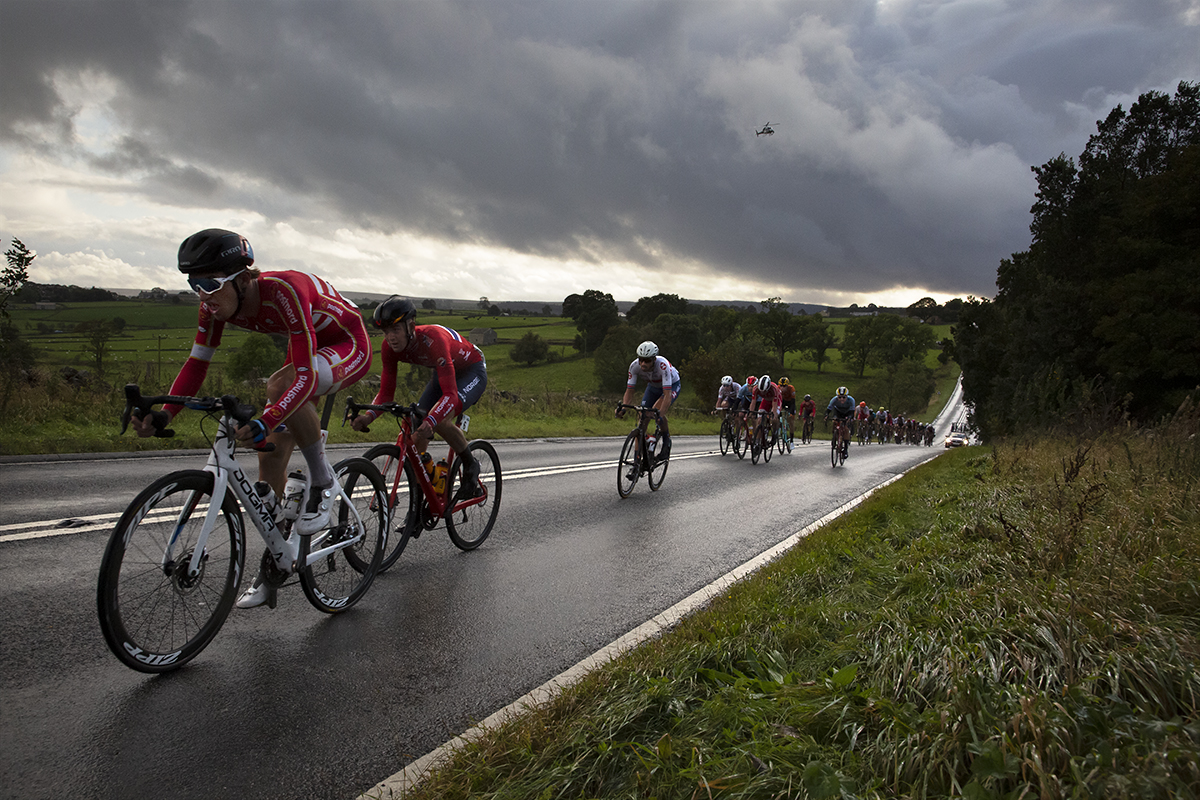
(777, 402)
(329, 350)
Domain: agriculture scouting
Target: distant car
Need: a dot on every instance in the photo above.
(957, 440)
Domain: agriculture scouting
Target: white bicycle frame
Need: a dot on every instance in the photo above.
(228, 474)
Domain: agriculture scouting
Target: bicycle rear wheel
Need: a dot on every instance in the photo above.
(404, 498)
(337, 579)
(469, 521)
(629, 467)
(154, 615)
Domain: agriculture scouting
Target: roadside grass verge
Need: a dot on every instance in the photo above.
(1019, 622)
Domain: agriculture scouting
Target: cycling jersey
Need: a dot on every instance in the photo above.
(766, 399)
(744, 395)
(841, 407)
(660, 375)
(808, 408)
(327, 340)
(450, 355)
(728, 393)
(787, 392)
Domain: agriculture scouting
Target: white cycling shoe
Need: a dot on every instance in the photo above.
(258, 593)
(316, 512)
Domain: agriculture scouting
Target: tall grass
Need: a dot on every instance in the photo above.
(1015, 623)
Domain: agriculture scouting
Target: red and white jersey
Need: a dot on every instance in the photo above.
(767, 398)
(306, 309)
(430, 346)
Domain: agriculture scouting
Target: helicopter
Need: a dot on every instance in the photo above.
(766, 130)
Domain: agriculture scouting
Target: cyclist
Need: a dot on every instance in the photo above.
(460, 376)
(788, 393)
(662, 387)
(862, 419)
(328, 349)
(727, 395)
(841, 406)
(808, 410)
(765, 397)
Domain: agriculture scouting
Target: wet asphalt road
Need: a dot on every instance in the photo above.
(292, 703)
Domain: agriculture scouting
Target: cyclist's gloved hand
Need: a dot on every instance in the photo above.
(255, 432)
(620, 413)
(151, 423)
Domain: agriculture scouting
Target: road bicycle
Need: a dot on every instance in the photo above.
(741, 437)
(171, 569)
(762, 442)
(806, 431)
(429, 497)
(728, 434)
(863, 428)
(784, 434)
(638, 456)
(839, 444)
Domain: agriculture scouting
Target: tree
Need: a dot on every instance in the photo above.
(1103, 307)
(818, 339)
(868, 340)
(737, 357)
(15, 274)
(904, 387)
(483, 304)
(648, 309)
(594, 312)
(529, 349)
(614, 354)
(677, 335)
(923, 309)
(779, 327)
(429, 304)
(96, 335)
(256, 359)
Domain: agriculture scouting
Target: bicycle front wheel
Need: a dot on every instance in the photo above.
(470, 520)
(834, 450)
(629, 467)
(726, 436)
(741, 441)
(341, 562)
(154, 614)
(768, 442)
(404, 498)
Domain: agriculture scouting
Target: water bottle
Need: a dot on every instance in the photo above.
(293, 495)
(651, 441)
(439, 476)
(427, 462)
(264, 490)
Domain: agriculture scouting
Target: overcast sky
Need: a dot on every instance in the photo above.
(528, 150)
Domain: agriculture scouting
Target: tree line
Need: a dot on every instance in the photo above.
(709, 341)
(1102, 312)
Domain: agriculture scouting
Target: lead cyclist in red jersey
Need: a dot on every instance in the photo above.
(459, 379)
(328, 349)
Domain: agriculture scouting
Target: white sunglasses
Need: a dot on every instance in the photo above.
(210, 285)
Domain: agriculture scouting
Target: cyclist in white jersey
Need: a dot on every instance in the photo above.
(662, 387)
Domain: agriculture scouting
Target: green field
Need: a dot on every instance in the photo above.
(559, 397)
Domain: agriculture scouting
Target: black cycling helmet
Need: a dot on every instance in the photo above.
(214, 250)
(394, 309)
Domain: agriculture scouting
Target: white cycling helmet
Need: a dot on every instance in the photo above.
(727, 380)
(764, 382)
(843, 391)
(647, 350)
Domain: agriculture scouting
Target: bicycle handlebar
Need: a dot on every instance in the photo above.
(240, 412)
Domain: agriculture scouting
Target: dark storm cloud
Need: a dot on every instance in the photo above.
(605, 130)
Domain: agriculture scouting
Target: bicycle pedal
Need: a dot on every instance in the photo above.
(272, 596)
